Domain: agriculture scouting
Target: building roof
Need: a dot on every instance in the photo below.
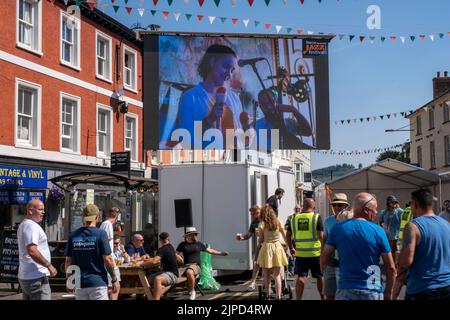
(430, 102)
(107, 22)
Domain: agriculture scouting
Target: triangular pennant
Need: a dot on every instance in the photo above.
(128, 9)
(199, 18)
(368, 119)
(200, 2)
(403, 113)
(395, 115)
(372, 39)
(245, 22)
(412, 38)
(170, 2)
(267, 26)
(211, 19)
(361, 119)
(310, 32)
(388, 116)
(217, 2)
(186, 2)
(155, 2)
(374, 118)
(289, 30)
(381, 117)
(153, 12)
(441, 35)
(126, 1)
(177, 15)
(141, 11)
(351, 37)
(278, 28)
(393, 38)
(302, 1)
(165, 14)
(341, 36)
(233, 3)
(348, 121)
(188, 16)
(267, 2)
(223, 19)
(403, 39)
(250, 2)
(116, 8)
(342, 121)
(361, 38)
(432, 37)
(285, 1)
(66, 1)
(299, 31)
(383, 39)
(422, 37)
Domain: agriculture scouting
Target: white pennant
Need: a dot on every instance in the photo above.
(141, 11)
(310, 32)
(285, 1)
(403, 39)
(432, 37)
(233, 2)
(278, 28)
(211, 19)
(245, 22)
(177, 15)
(66, 1)
(341, 36)
(372, 39)
(186, 2)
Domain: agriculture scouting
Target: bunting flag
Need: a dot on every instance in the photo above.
(359, 151)
(380, 117)
(267, 25)
(211, 19)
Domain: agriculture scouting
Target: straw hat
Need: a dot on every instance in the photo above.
(340, 198)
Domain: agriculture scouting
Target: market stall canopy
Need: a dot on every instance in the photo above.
(70, 180)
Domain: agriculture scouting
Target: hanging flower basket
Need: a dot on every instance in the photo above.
(57, 194)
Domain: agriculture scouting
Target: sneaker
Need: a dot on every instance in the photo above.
(192, 295)
(251, 287)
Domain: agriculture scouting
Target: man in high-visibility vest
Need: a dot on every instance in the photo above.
(305, 239)
(405, 218)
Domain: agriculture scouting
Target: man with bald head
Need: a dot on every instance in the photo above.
(360, 244)
(305, 238)
(34, 255)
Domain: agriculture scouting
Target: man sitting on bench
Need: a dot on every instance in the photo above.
(190, 249)
(168, 258)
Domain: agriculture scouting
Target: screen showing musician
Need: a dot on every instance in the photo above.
(237, 93)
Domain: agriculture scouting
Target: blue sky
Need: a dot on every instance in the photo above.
(365, 79)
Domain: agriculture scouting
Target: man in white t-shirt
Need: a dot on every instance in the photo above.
(34, 255)
(108, 227)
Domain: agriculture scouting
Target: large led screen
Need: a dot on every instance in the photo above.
(237, 92)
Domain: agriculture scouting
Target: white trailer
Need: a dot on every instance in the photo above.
(221, 195)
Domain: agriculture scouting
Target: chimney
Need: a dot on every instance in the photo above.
(441, 84)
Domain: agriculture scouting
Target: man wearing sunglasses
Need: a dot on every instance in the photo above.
(136, 246)
(331, 274)
(360, 244)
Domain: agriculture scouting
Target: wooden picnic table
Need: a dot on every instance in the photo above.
(134, 280)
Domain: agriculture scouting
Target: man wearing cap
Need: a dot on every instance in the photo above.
(330, 273)
(89, 252)
(389, 219)
(190, 250)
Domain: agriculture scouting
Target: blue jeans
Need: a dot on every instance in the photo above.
(358, 294)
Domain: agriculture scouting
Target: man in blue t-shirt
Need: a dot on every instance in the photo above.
(361, 243)
(88, 253)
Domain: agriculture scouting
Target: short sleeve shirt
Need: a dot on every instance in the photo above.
(168, 258)
(272, 201)
(191, 251)
(109, 229)
(391, 222)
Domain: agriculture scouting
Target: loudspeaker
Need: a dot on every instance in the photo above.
(183, 213)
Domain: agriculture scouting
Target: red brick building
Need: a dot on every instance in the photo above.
(66, 74)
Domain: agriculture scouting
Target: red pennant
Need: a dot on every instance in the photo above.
(441, 104)
(200, 2)
(250, 2)
(267, 26)
(299, 31)
(155, 2)
(165, 14)
(422, 37)
(234, 20)
(393, 38)
(128, 9)
(200, 18)
(302, 1)
(112, 1)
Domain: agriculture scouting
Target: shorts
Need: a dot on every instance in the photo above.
(36, 289)
(94, 293)
(358, 294)
(117, 273)
(303, 265)
(193, 266)
(330, 281)
(169, 278)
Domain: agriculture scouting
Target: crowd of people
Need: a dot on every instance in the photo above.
(354, 254)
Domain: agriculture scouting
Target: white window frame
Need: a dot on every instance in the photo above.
(77, 44)
(133, 157)
(134, 52)
(36, 46)
(111, 133)
(36, 123)
(76, 126)
(108, 67)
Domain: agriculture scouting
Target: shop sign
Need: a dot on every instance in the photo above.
(18, 197)
(30, 178)
(39, 195)
(4, 197)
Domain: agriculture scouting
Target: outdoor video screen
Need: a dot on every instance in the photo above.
(255, 93)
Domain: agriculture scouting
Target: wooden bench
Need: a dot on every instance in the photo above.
(181, 280)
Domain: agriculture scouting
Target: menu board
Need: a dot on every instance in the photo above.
(76, 211)
(9, 256)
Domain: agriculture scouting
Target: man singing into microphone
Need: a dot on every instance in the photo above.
(210, 102)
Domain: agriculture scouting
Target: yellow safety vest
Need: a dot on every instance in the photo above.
(406, 217)
(304, 231)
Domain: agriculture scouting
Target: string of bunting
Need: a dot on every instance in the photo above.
(358, 152)
(388, 116)
(268, 26)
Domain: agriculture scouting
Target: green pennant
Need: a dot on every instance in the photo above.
(126, 1)
(116, 8)
(223, 19)
(413, 38)
(188, 16)
(267, 2)
(441, 35)
(383, 38)
(288, 30)
(170, 2)
(351, 37)
(217, 2)
(257, 23)
(153, 12)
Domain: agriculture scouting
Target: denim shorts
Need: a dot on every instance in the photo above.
(358, 294)
(36, 289)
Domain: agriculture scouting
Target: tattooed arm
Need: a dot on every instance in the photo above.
(411, 238)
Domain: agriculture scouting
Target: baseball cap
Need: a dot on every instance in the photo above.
(90, 213)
